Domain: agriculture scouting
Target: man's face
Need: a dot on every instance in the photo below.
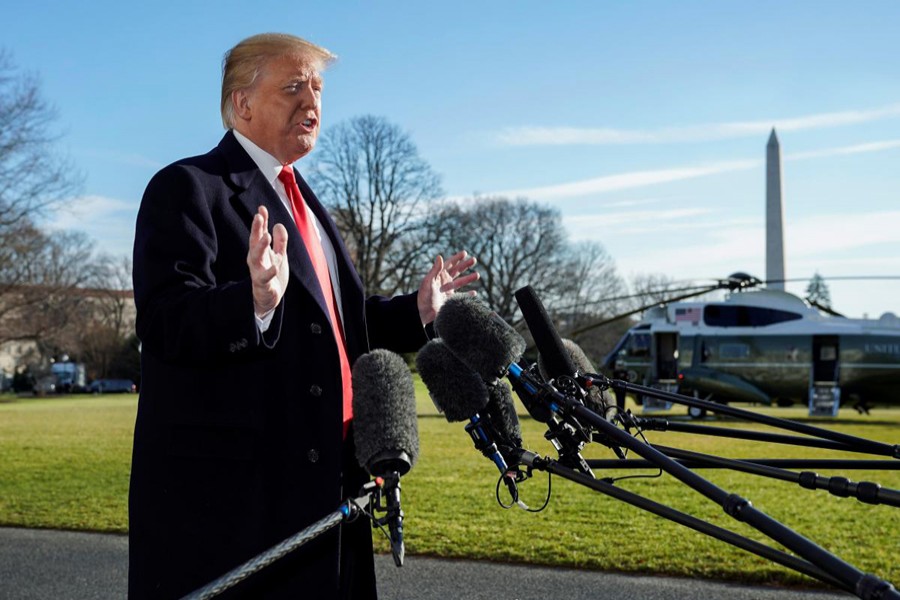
(282, 111)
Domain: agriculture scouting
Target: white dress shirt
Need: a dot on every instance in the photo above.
(270, 168)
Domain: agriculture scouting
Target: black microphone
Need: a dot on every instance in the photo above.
(460, 394)
(502, 412)
(478, 336)
(385, 429)
(456, 390)
(489, 346)
(593, 397)
(485, 343)
(557, 361)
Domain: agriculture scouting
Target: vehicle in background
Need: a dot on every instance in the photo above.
(762, 346)
(109, 386)
(68, 376)
(44, 386)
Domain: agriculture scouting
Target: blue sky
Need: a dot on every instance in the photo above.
(645, 123)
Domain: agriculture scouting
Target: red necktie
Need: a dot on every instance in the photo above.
(317, 256)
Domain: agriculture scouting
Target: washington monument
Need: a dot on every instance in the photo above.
(774, 216)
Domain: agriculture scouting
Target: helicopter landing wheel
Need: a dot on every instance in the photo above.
(695, 412)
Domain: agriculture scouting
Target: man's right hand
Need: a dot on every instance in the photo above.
(267, 259)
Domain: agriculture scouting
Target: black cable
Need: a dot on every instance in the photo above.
(613, 480)
(515, 496)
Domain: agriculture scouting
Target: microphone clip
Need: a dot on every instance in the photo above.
(386, 499)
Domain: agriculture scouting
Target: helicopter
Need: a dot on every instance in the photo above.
(763, 346)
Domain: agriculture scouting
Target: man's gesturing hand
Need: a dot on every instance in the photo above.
(442, 281)
(267, 259)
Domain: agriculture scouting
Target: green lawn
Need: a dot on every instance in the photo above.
(65, 465)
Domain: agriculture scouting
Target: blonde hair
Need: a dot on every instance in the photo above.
(243, 63)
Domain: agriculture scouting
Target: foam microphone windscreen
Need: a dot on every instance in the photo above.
(595, 400)
(457, 391)
(385, 427)
(502, 412)
(478, 337)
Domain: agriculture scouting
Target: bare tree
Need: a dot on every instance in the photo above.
(518, 243)
(370, 175)
(593, 284)
(43, 276)
(590, 293)
(102, 339)
(38, 271)
(113, 295)
(654, 288)
(33, 177)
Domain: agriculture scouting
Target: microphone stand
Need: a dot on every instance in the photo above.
(846, 442)
(533, 461)
(864, 491)
(662, 424)
(347, 511)
(868, 492)
(864, 585)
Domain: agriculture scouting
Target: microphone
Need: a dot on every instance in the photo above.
(461, 395)
(593, 398)
(559, 361)
(485, 343)
(478, 337)
(502, 412)
(489, 346)
(385, 430)
(456, 390)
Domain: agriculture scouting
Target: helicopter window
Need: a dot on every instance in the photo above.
(828, 353)
(734, 351)
(718, 315)
(639, 345)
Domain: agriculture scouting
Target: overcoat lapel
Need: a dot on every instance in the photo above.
(252, 191)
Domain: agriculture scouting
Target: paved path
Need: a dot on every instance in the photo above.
(42, 565)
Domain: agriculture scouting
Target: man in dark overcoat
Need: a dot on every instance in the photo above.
(244, 433)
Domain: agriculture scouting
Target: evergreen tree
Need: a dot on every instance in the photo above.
(817, 291)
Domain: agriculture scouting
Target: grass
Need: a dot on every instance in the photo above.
(65, 465)
(65, 462)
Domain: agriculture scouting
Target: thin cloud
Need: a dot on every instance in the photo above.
(824, 235)
(77, 212)
(638, 202)
(638, 179)
(624, 181)
(608, 219)
(825, 240)
(651, 222)
(565, 136)
(108, 221)
(131, 158)
(845, 150)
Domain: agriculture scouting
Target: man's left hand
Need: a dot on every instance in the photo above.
(442, 281)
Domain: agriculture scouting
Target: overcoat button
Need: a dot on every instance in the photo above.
(312, 455)
(315, 328)
(315, 391)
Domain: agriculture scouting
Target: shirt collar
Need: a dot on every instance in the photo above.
(268, 164)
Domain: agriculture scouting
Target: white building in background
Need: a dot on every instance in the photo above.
(16, 354)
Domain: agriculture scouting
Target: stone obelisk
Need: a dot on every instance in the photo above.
(774, 216)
